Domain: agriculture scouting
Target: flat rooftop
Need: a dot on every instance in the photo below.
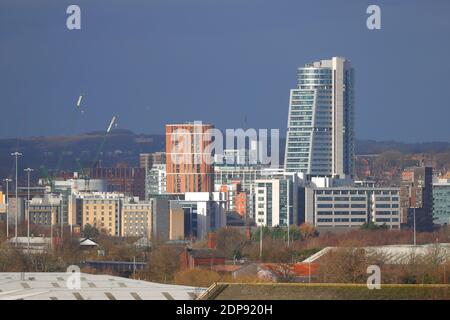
(53, 286)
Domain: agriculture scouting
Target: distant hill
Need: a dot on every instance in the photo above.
(68, 153)
(376, 147)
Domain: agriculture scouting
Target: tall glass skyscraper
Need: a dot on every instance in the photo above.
(320, 135)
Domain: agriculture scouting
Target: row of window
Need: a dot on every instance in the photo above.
(314, 70)
(341, 220)
(342, 213)
(341, 205)
(339, 192)
(314, 76)
(341, 198)
(387, 213)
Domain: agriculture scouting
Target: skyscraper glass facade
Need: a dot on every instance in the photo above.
(320, 138)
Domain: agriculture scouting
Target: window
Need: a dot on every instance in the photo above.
(324, 198)
(324, 213)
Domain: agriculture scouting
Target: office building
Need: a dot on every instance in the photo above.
(196, 215)
(441, 201)
(320, 134)
(161, 215)
(136, 218)
(46, 210)
(416, 198)
(189, 167)
(68, 189)
(75, 207)
(246, 175)
(103, 211)
(349, 207)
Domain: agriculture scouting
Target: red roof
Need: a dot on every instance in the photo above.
(296, 269)
(303, 269)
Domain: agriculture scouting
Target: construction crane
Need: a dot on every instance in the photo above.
(83, 176)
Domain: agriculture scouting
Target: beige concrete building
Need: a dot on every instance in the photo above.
(136, 218)
(176, 226)
(2, 207)
(103, 211)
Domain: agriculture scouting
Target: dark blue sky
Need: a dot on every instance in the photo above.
(160, 61)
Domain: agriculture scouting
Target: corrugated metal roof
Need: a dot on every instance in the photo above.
(396, 254)
(41, 286)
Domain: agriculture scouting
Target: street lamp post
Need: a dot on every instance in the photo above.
(62, 218)
(7, 207)
(28, 171)
(309, 271)
(16, 155)
(51, 220)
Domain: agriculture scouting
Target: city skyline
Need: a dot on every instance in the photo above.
(224, 150)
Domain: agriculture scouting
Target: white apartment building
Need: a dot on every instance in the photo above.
(275, 201)
(155, 180)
